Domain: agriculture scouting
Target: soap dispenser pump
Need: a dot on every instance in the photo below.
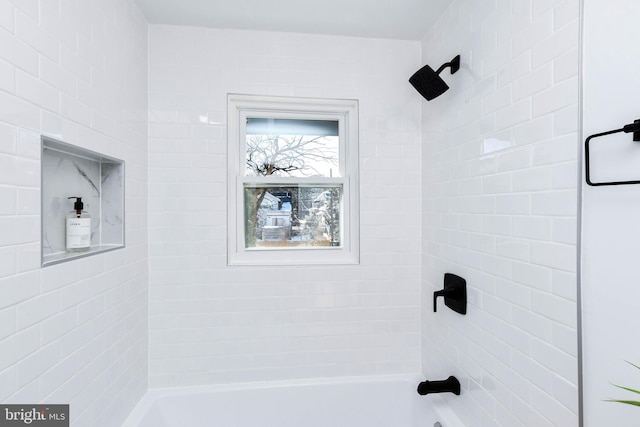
(78, 227)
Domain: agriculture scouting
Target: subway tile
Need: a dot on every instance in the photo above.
(28, 7)
(519, 158)
(531, 369)
(513, 248)
(36, 363)
(514, 337)
(28, 201)
(532, 227)
(564, 13)
(565, 285)
(566, 66)
(565, 175)
(497, 266)
(565, 230)
(543, 7)
(37, 92)
(7, 16)
(554, 255)
(18, 346)
(555, 98)
(9, 198)
(56, 76)
(19, 288)
(28, 30)
(532, 323)
(7, 77)
(58, 374)
(29, 144)
(540, 29)
(534, 277)
(497, 183)
(8, 261)
(513, 204)
(16, 111)
(533, 179)
(554, 409)
(555, 360)
(21, 172)
(8, 139)
(560, 42)
(513, 292)
(554, 308)
(28, 257)
(35, 310)
(518, 112)
(18, 53)
(534, 82)
(59, 28)
(519, 66)
(71, 62)
(556, 150)
(555, 203)
(7, 383)
(57, 325)
(7, 322)
(497, 225)
(496, 100)
(565, 121)
(58, 276)
(536, 130)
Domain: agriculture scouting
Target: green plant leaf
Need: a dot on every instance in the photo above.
(627, 402)
(634, 365)
(627, 388)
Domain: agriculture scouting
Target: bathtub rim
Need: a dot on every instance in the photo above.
(151, 396)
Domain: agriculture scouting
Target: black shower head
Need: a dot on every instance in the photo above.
(428, 82)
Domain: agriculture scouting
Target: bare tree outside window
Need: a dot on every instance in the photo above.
(292, 215)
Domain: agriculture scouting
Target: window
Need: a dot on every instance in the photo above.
(292, 181)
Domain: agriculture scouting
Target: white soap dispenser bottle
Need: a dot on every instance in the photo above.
(78, 228)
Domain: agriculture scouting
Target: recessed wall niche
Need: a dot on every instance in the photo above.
(70, 171)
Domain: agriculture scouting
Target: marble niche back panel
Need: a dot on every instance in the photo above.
(70, 171)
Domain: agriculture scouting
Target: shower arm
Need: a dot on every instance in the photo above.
(454, 64)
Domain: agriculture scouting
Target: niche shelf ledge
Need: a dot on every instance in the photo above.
(70, 171)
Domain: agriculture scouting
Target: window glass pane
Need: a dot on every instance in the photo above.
(292, 216)
(293, 148)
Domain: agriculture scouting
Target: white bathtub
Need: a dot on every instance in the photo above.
(370, 402)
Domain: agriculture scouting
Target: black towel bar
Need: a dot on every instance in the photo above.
(633, 127)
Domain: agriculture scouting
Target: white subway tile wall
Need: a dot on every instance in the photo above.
(210, 323)
(482, 185)
(77, 332)
(500, 204)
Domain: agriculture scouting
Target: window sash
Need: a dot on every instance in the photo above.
(308, 115)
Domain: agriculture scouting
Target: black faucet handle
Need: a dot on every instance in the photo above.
(454, 293)
(441, 293)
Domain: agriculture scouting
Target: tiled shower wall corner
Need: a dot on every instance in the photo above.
(75, 332)
(210, 323)
(500, 203)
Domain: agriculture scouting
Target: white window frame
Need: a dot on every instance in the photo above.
(239, 107)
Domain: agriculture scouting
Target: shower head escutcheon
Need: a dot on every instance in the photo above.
(429, 83)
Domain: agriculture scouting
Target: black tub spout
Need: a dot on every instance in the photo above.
(450, 385)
